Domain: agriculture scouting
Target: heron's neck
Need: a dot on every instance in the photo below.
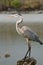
(18, 25)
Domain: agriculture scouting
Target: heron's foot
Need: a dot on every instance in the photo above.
(24, 58)
(27, 57)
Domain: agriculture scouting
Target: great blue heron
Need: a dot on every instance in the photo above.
(27, 33)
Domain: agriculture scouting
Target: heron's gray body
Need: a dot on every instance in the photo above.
(28, 33)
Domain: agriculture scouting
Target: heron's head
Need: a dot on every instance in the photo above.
(19, 16)
(14, 15)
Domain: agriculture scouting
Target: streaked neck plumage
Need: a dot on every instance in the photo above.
(18, 24)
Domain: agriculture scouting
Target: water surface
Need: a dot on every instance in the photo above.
(15, 45)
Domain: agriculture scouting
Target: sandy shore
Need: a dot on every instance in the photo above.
(23, 12)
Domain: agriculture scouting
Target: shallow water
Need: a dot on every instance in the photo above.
(13, 44)
(17, 47)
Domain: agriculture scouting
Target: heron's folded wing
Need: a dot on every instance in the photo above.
(32, 35)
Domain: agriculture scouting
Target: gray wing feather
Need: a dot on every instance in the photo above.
(32, 35)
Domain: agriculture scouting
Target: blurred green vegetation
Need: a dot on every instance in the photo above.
(20, 4)
(16, 3)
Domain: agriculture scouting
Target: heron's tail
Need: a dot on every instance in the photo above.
(40, 42)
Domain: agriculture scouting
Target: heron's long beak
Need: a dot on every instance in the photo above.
(12, 16)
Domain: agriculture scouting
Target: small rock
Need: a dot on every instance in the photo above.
(7, 55)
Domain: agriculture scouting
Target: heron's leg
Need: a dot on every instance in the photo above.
(26, 54)
(29, 47)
